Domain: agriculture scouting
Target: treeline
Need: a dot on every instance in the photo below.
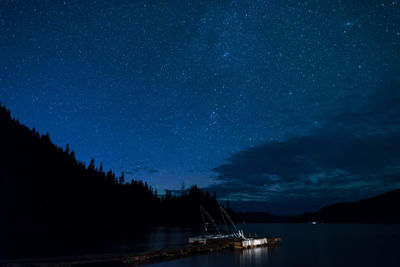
(41, 183)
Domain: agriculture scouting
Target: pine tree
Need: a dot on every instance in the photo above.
(67, 149)
(91, 166)
(122, 178)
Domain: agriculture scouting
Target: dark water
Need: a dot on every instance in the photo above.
(302, 245)
(310, 245)
(44, 242)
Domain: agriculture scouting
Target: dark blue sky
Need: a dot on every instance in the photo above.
(280, 106)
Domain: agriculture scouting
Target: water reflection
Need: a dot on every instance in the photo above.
(253, 256)
(308, 245)
(325, 245)
(168, 237)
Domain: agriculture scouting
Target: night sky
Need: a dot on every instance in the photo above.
(279, 106)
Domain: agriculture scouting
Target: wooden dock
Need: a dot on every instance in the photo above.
(143, 257)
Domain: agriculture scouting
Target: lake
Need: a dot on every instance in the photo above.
(310, 245)
(302, 245)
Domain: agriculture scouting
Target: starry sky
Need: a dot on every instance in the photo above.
(277, 105)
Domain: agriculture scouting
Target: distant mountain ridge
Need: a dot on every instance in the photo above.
(260, 217)
(383, 208)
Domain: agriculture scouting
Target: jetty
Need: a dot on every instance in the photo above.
(144, 257)
(206, 243)
(236, 239)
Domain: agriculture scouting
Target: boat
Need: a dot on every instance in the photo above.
(218, 236)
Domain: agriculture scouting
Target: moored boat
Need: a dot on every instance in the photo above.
(204, 238)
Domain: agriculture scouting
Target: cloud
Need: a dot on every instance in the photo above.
(354, 154)
(287, 161)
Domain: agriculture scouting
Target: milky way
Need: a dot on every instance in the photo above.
(170, 91)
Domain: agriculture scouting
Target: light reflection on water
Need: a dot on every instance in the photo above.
(243, 258)
(254, 256)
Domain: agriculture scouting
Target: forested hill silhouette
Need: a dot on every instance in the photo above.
(383, 208)
(42, 184)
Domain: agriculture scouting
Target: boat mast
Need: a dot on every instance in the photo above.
(209, 217)
(227, 216)
(204, 221)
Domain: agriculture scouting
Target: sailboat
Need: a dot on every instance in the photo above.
(207, 237)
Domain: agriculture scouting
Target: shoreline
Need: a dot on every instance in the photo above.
(131, 258)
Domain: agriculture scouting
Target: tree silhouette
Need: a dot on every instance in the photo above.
(41, 183)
